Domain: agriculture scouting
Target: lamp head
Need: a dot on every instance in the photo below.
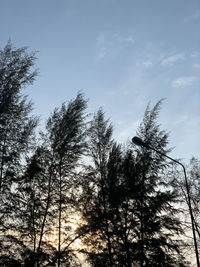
(138, 141)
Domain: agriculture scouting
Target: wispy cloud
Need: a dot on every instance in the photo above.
(184, 81)
(146, 64)
(172, 59)
(195, 55)
(112, 43)
(197, 65)
(130, 39)
(102, 45)
(192, 17)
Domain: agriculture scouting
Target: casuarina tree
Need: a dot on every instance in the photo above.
(156, 216)
(93, 200)
(66, 129)
(129, 208)
(16, 125)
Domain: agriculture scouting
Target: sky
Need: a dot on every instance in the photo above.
(121, 54)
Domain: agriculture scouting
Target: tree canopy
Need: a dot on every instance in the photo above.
(127, 210)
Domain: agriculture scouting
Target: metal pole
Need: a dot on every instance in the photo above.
(189, 200)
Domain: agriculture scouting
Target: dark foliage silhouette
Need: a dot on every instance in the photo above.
(127, 207)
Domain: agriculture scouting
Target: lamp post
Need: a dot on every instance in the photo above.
(136, 140)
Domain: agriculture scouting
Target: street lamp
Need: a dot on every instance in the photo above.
(137, 141)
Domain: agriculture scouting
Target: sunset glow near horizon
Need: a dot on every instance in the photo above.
(73, 223)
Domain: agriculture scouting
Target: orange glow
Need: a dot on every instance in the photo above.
(68, 230)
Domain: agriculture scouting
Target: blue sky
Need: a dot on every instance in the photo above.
(122, 54)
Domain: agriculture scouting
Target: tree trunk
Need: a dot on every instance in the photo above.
(60, 214)
(2, 163)
(44, 218)
(106, 218)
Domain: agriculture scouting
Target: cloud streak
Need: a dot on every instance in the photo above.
(192, 17)
(172, 59)
(101, 42)
(195, 55)
(146, 64)
(197, 65)
(112, 44)
(184, 81)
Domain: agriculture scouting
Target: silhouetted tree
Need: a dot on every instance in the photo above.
(129, 212)
(15, 121)
(16, 128)
(194, 180)
(45, 188)
(66, 136)
(193, 175)
(34, 195)
(157, 224)
(121, 177)
(95, 199)
(129, 208)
